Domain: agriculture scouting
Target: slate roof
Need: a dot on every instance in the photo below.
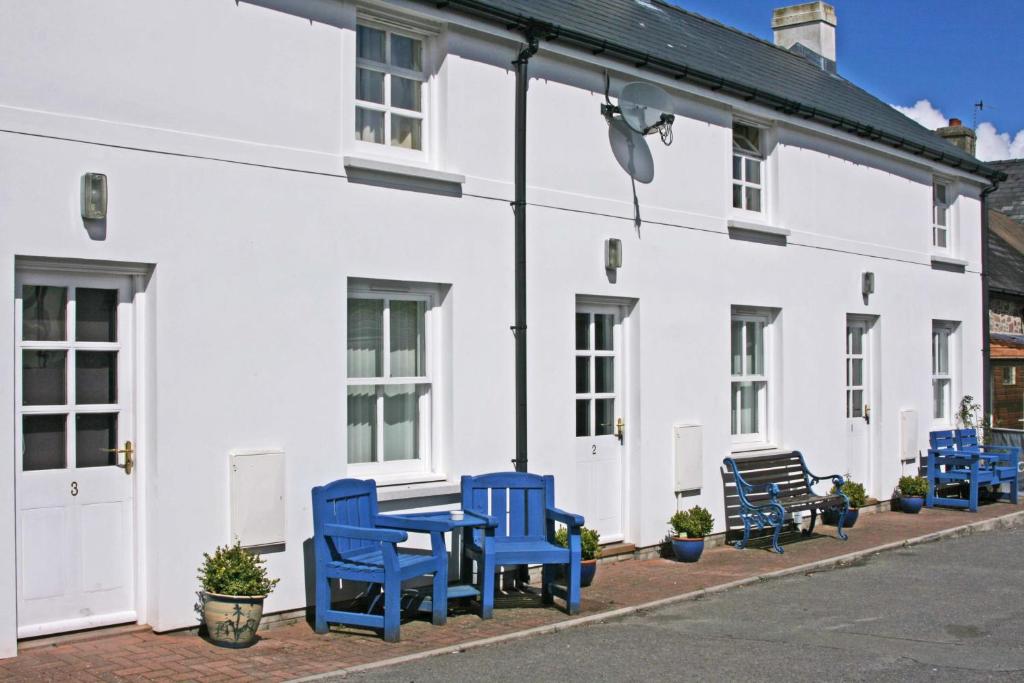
(1009, 198)
(653, 34)
(1005, 254)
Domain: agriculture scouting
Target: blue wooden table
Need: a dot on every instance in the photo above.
(444, 521)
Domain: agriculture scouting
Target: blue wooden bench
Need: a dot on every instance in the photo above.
(956, 457)
(352, 542)
(763, 490)
(523, 505)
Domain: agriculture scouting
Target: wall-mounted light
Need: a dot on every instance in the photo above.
(94, 196)
(867, 284)
(613, 253)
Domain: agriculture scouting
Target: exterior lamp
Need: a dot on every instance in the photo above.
(867, 284)
(613, 253)
(94, 196)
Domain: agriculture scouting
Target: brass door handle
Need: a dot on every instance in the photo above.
(620, 429)
(129, 459)
(867, 413)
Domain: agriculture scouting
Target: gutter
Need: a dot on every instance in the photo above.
(681, 72)
(986, 345)
(521, 64)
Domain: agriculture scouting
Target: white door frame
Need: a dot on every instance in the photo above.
(628, 368)
(872, 393)
(139, 275)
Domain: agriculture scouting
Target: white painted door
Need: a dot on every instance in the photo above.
(75, 540)
(858, 399)
(599, 419)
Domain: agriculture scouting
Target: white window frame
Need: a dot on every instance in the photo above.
(1009, 378)
(947, 209)
(429, 394)
(764, 395)
(947, 329)
(426, 91)
(746, 155)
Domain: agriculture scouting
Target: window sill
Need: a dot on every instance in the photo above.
(409, 488)
(365, 166)
(759, 448)
(948, 260)
(753, 226)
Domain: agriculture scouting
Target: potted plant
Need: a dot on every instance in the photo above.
(235, 583)
(690, 526)
(912, 493)
(854, 491)
(590, 545)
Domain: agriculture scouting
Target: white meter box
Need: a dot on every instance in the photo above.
(688, 452)
(257, 497)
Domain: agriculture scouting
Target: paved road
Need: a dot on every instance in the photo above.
(877, 621)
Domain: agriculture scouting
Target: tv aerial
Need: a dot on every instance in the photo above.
(644, 108)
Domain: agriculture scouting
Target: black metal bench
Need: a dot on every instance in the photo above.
(763, 489)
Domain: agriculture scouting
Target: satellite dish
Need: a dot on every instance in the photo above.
(631, 151)
(645, 107)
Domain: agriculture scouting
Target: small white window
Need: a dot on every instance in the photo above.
(1009, 375)
(750, 377)
(390, 381)
(391, 87)
(747, 168)
(941, 201)
(942, 370)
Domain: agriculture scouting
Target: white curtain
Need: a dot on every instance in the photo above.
(407, 339)
(401, 438)
(362, 424)
(365, 337)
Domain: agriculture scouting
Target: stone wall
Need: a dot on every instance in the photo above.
(1006, 316)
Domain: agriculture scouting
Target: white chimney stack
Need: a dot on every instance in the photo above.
(812, 26)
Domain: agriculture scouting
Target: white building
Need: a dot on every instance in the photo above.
(275, 199)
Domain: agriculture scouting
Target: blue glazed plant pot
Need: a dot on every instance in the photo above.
(832, 517)
(911, 504)
(688, 549)
(588, 568)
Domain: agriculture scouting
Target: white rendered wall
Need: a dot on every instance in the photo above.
(254, 230)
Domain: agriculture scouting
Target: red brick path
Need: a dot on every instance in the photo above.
(295, 651)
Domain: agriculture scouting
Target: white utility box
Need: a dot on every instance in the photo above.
(908, 435)
(257, 497)
(688, 451)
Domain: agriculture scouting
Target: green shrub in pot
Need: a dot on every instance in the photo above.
(235, 583)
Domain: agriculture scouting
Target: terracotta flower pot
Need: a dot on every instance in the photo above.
(232, 620)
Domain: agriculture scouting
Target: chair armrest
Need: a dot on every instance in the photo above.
(566, 518)
(410, 523)
(837, 479)
(365, 534)
(490, 521)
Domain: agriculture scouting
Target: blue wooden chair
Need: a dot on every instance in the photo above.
(351, 543)
(523, 505)
(956, 457)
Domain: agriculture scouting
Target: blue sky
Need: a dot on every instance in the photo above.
(951, 53)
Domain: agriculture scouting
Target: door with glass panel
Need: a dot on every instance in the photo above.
(600, 427)
(389, 383)
(74, 456)
(858, 392)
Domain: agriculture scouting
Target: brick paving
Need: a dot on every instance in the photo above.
(294, 651)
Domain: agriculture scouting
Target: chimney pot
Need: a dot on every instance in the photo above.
(811, 25)
(955, 122)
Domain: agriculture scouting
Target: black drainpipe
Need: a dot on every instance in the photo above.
(519, 207)
(986, 350)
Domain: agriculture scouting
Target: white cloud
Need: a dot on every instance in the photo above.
(992, 144)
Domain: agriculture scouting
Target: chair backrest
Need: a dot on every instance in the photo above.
(517, 499)
(943, 438)
(346, 501)
(967, 438)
